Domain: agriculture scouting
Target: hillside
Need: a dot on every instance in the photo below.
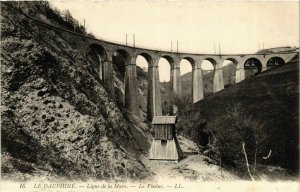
(261, 111)
(57, 118)
(278, 50)
(186, 82)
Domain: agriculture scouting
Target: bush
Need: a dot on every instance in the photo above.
(192, 126)
(241, 143)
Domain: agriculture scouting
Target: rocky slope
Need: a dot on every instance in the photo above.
(57, 119)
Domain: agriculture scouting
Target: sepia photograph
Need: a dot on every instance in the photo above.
(113, 96)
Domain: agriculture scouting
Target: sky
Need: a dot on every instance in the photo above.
(198, 26)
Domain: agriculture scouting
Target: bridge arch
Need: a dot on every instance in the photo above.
(169, 73)
(152, 96)
(153, 100)
(144, 60)
(122, 59)
(208, 66)
(233, 60)
(230, 72)
(211, 60)
(164, 69)
(147, 56)
(190, 60)
(100, 59)
(170, 60)
(252, 66)
(97, 55)
(142, 63)
(124, 54)
(165, 65)
(275, 62)
(187, 64)
(98, 49)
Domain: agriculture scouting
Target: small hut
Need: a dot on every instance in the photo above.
(165, 145)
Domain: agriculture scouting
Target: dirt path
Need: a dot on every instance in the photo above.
(193, 167)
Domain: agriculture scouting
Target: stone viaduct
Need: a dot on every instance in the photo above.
(106, 51)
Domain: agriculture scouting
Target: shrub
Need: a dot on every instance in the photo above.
(241, 141)
(190, 121)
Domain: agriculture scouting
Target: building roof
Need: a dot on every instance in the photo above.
(164, 120)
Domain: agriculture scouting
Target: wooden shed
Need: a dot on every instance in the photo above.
(165, 145)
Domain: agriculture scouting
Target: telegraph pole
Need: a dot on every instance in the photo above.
(84, 24)
(219, 49)
(214, 48)
(126, 39)
(177, 46)
(171, 46)
(133, 40)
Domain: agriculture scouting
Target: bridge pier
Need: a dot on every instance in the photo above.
(218, 78)
(263, 69)
(240, 72)
(175, 80)
(197, 89)
(107, 75)
(131, 91)
(264, 65)
(154, 97)
(100, 67)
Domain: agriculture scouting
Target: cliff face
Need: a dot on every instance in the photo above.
(57, 118)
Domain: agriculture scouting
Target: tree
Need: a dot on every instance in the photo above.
(190, 121)
(248, 132)
(67, 16)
